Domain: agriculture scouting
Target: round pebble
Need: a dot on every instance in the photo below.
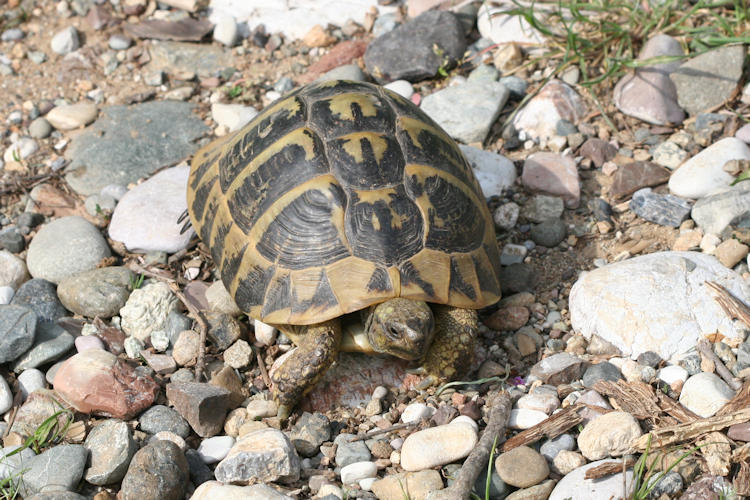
(401, 87)
(265, 334)
(119, 42)
(551, 447)
(88, 342)
(437, 446)
(40, 128)
(549, 233)
(705, 393)
(416, 412)
(30, 380)
(12, 270)
(214, 449)
(523, 419)
(601, 371)
(72, 116)
(6, 396)
(357, 471)
(65, 41)
(608, 435)
(463, 419)
(522, 467)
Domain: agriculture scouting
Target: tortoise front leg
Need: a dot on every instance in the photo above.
(306, 365)
(452, 351)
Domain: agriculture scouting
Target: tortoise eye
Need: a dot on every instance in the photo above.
(392, 333)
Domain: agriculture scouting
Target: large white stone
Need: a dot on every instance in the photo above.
(705, 393)
(655, 302)
(608, 435)
(574, 487)
(439, 445)
(232, 116)
(502, 28)
(704, 172)
(494, 172)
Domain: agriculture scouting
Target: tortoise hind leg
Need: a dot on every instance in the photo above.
(452, 351)
(306, 365)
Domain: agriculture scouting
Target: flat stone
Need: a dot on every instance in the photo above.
(60, 467)
(204, 406)
(707, 80)
(437, 446)
(648, 94)
(678, 303)
(72, 116)
(662, 209)
(160, 418)
(549, 233)
(714, 213)
(409, 52)
(417, 485)
(159, 470)
(17, 331)
(50, 343)
(98, 382)
(232, 116)
(64, 247)
(264, 455)
(147, 310)
(30, 380)
(225, 31)
(495, 173)
(211, 490)
(145, 219)
(348, 451)
(309, 432)
(14, 461)
(552, 174)
(608, 435)
(705, 393)
(739, 432)
(467, 110)
(522, 467)
(555, 102)
(100, 292)
(631, 177)
(214, 449)
(12, 270)
(111, 448)
(127, 143)
(503, 28)
(598, 151)
(704, 172)
(525, 419)
(354, 473)
(40, 295)
(731, 252)
(573, 485)
(560, 368)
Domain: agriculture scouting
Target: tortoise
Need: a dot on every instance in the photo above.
(340, 204)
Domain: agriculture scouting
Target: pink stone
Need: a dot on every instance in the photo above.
(88, 342)
(98, 382)
(416, 98)
(556, 101)
(553, 174)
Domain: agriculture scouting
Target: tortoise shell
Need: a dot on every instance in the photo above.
(338, 196)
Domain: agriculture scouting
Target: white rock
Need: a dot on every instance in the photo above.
(265, 334)
(265, 455)
(366, 483)
(401, 87)
(72, 116)
(133, 347)
(12, 270)
(145, 219)
(6, 396)
(705, 393)
(330, 489)
(494, 172)
(544, 402)
(225, 30)
(147, 309)
(574, 487)
(357, 471)
(556, 101)
(502, 28)
(213, 490)
(673, 373)
(232, 116)
(261, 408)
(439, 445)
(379, 392)
(466, 420)
(169, 436)
(704, 172)
(30, 380)
(160, 340)
(65, 41)
(665, 287)
(21, 149)
(214, 449)
(219, 300)
(523, 419)
(239, 355)
(6, 294)
(608, 435)
(416, 412)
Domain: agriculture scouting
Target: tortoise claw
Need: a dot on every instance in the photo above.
(284, 412)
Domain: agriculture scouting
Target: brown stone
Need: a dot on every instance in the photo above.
(317, 37)
(508, 318)
(98, 382)
(227, 378)
(730, 252)
(204, 406)
(99, 17)
(342, 53)
(739, 432)
(598, 151)
(687, 240)
(631, 177)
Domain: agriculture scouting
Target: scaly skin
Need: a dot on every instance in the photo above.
(452, 350)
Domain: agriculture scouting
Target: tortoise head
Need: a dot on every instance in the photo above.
(401, 327)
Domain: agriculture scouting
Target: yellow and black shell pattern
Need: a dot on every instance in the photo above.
(338, 196)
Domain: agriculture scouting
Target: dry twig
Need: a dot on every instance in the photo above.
(551, 428)
(734, 307)
(704, 347)
(376, 432)
(668, 436)
(467, 476)
(608, 468)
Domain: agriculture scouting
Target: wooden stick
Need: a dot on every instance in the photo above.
(375, 432)
(263, 371)
(704, 347)
(477, 460)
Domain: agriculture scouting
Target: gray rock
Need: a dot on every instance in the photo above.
(178, 57)
(111, 446)
(107, 152)
(309, 432)
(12, 35)
(12, 465)
(41, 296)
(707, 80)
(224, 330)
(467, 110)
(717, 212)
(663, 209)
(349, 452)
(498, 488)
(176, 323)
(541, 207)
(495, 173)
(549, 233)
(145, 220)
(573, 485)
(50, 343)
(65, 41)
(669, 484)
(17, 331)
(60, 467)
(265, 455)
(204, 406)
(418, 49)
(158, 471)
(100, 292)
(601, 371)
(160, 418)
(58, 495)
(64, 247)
(12, 240)
(551, 447)
(516, 86)
(561, 368)
(517, 278)
(691, 363)
(40, 128)
(345, 72)
(199, 471)
(12, 270)
(119, 42)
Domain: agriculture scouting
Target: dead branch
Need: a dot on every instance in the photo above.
(733, 307)
(555, 425)
(608, 468)
(635, 398)
(477, 460)
(704, 346)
